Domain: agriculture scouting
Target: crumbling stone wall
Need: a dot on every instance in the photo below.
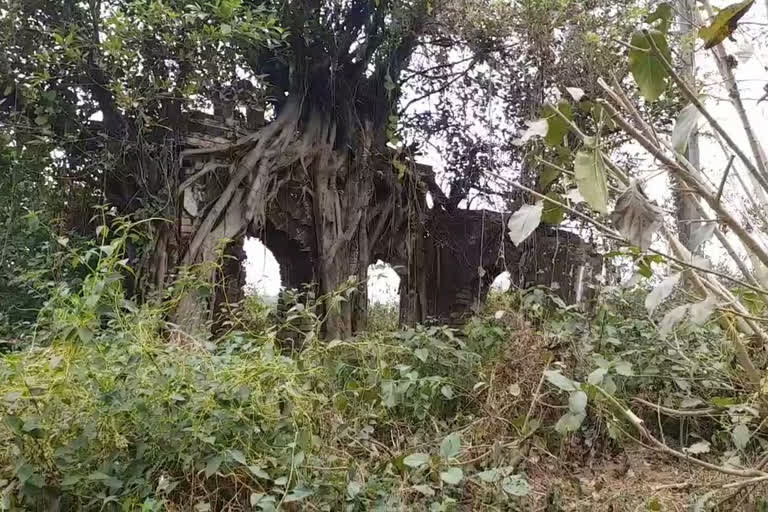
(463, 251)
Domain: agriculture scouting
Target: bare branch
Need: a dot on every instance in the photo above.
(759, 174)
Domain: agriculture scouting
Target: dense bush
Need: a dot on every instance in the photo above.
(107, 406)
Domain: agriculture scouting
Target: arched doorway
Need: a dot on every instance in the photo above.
(383, 297)
(502, 282)
(262, 271)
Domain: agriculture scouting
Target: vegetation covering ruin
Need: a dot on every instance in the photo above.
(144, 140)
(106, 405)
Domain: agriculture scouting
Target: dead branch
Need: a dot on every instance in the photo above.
(676, 412)
(657, 445)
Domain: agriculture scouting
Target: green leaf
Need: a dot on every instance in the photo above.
(25, 473)
(237, 456)
(450, 446)
(553, 214)
(16, 423)
(524, 222)
(258, 472)
(663, 12)
(452, 476)
(516, 485)
(624, 368)
(561, 381)
(590, 178)
(558, 128)
(596, 377)
(213, 465)
(353, 489)
(648, 71)
(601, 116)
(70, 480)
(421, 354)
(569, 422)
(724, 24)
(388, 394)
(416, 460)
(297, 494)
(577, 402)
(741, 436)
(264, 502)
(490, 475)
(424, 489)
(548, 175)
(85, 334)
(32, 427)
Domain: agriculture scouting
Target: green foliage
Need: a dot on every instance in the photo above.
(548, 176)
(628, 358)
(558, 128)
(383, 317)
(664, 13)
(129, 418)
(591, 178)
(553, 214)
(725, 23)
(650, 74)
(188, 33)
(118, 410)
(121, 411)
(27, 235)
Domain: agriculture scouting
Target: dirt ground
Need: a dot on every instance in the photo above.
(640, 480)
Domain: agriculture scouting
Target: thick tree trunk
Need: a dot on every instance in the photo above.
(342, 245)
(230, 280)
(297, 152)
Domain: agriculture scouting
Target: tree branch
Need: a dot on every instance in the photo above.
(759, 174)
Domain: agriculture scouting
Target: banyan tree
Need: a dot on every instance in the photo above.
(230, 118)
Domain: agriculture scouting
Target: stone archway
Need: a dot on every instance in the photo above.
(383, 297)
(263, 277)
(502, 282)
(383, 283)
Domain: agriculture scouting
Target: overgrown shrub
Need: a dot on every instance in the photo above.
(106, 406)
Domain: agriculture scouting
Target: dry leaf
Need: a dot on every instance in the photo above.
(636, 217)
